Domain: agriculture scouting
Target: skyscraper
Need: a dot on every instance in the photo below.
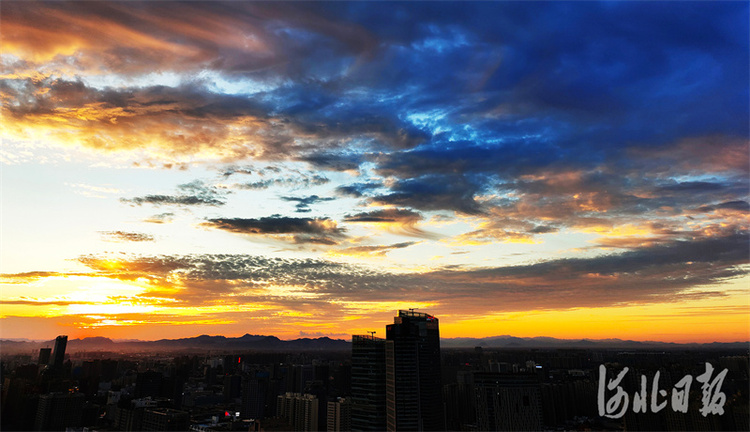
(44, 356)
(413, 380)
(339, 416)
(57, 411)
(58, 355)
(507, 401)
(300, 410)
(368, 383)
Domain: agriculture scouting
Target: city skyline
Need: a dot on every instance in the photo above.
(562, 169)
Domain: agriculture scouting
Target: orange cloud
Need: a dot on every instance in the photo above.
(696, 155)
(395, 220)
(369, 251)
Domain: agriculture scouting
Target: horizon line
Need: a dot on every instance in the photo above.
(349, 339)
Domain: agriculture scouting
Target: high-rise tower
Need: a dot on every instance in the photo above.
(58, 355)
(368, 383)
(44, 356)
(413, 380)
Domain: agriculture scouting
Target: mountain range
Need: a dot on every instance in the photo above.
(248, 342)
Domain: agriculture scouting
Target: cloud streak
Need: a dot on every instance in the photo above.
(304, 203)
(123, 236)
(320, 231)
(195, 193)
(400, 221)
(499, 128)
(654, 274)
(370, 251)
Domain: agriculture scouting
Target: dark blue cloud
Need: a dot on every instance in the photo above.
(505, 159)
(195, 193)
(435, 192)
(741, 206)
(321, 231)
(304, 203)
(501, 90)
(617, 64)
(443, 101)
(358, 190)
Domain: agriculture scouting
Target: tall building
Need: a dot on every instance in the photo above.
(148, 383)
(58, 355)
(507, 401)
(44, 356)
(368, 383)
(58, 411)
(414, 389)
(254, 395)
(300, 410)
(232, 387)
(165, 419)
(339, 415)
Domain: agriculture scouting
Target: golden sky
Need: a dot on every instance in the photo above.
(573, 170)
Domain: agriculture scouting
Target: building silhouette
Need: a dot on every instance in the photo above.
(368, 383)
(58, 355)
(300, 410)
(414, 389)
(165, 419)
(507, 401)
(255, 391)
(44, 355)
(339, 415)
(148, 383)
(60, 410)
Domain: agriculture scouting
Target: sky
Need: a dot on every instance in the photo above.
(564, 169)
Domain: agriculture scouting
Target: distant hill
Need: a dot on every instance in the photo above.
(549, 342)
(203, 343)
(248, 342)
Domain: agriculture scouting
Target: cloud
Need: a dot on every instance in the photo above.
(386, 216)
(449, 108)
(231, 170)
(128, 38)
(122, 236)
(308, 292)
(692, 187)
(291, 179)
(541, 229)
(184, 123)
(26, 277)
(175, 200)
(666, 272)
(400, 221)
(92, 191)
(333, 161)
(434, 192)
(196, 193)
(714, 153)
(321, 231)
(304, 203)
(160, 218)
(623, 122)
(370, 251)
(740, 206)
(165, 123)
(358, 190)
(43, 302)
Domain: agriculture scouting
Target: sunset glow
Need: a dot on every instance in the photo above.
(294, 169)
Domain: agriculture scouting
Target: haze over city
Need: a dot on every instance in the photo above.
(563, 169)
